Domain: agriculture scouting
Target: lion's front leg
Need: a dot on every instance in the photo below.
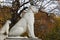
(31, 30)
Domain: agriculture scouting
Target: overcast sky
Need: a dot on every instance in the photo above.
(47, 4)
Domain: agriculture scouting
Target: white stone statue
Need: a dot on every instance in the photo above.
(26, 23)
(4, 29)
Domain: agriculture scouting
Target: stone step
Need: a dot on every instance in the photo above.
(21, 38)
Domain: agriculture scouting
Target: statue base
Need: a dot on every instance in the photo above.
(21, 38)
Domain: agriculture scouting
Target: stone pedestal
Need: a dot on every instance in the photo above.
(18, 38)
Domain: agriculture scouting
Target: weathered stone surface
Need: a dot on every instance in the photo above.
(17, 38)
